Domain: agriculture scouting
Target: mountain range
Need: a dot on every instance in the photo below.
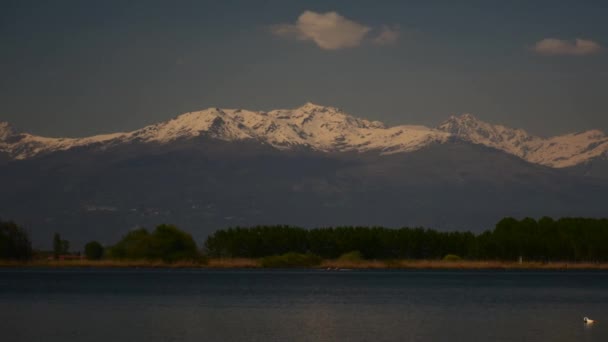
(310, 166)
(326, 129)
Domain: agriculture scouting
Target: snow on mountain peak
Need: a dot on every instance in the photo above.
(312, 107)
(463, 118)
(212, 121)
(326, 129)
(6, 130)
(317, 127)
(331, 129)
(468, 127)
(560, 151)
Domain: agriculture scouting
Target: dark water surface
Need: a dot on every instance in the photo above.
(257, 305)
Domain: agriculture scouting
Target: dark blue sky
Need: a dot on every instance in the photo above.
(76, 68)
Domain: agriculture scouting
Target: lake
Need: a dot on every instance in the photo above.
(309, 305)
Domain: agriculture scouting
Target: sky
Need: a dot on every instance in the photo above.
(77, 68)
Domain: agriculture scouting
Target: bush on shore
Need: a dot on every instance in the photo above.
(452, 257)
(352, 257)
(291, 259)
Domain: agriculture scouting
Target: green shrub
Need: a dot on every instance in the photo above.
(93, 250)
(452, 257)
(289, 260)
(354, 257)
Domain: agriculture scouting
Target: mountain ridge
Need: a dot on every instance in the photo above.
(325, 129)
(558, 151)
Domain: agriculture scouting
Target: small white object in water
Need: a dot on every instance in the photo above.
(588, 321)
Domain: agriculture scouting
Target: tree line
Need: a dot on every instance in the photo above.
(566, 239)
(166, 242)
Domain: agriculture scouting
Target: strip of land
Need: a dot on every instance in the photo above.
(236, 263)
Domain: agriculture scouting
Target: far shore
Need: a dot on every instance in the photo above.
(234, 263)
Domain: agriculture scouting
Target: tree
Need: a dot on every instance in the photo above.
(56, 245)
(14, 242)
(65, 246)
(135, 244)
(567, 239)
(171, 244)
(60, 247)
(93, 250)
(167, 243)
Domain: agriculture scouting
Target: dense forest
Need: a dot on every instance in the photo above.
(567, 239)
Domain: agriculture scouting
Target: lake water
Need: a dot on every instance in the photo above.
(258, 305)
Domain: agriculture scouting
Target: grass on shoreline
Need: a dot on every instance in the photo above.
(325, 264)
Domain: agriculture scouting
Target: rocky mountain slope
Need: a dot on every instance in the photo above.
(203, 184)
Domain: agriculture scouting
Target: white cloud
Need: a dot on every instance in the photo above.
(388, 35)
(331, 31)
(578, 47)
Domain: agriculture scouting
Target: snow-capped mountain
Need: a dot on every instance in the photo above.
(320, 128)
(24, 145)
(317, 127)
(560, 151)
(325, 129)
(218, 168)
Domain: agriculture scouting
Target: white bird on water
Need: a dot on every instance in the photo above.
(587, 320)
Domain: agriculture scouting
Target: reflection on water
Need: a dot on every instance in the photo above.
(256, 305)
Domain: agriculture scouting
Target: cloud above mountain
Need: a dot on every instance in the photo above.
(332, 31)
(578, 47)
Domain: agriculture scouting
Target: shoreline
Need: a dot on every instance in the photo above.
(241, 263)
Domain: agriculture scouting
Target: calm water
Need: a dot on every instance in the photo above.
(254, 305)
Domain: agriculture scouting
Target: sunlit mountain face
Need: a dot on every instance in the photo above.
(325, 129)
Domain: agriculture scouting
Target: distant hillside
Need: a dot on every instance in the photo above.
(204, 183)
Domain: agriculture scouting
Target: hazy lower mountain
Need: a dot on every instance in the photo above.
(311, 166)
(596, 168)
